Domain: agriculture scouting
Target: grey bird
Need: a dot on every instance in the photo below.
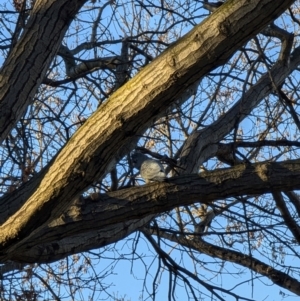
(212, 6)
(150, 169)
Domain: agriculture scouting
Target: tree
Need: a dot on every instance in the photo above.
(76, 101)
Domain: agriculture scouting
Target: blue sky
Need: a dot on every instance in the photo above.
(128, 275)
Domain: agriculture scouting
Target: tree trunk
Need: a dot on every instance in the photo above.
(28, 62)
(112, 130)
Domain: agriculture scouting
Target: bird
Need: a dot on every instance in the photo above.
(150, 169)
(212, 6)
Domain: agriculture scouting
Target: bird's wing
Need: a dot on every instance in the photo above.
(152, 169)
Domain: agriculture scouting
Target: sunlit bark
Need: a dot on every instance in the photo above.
(102, 219)
(113, 128)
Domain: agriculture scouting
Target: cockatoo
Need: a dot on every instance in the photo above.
(150, 169)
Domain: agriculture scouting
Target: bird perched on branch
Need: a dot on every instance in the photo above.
(150, 169)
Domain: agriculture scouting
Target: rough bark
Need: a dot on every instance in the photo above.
(111, 131)
(28, 62)
(202, 144)
(98, 221)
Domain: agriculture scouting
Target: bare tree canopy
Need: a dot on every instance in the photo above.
(207, 89)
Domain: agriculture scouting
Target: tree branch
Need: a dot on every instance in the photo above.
(201, 141)
(277, 277)
(93, 217)
(289, 221)
(44, 32)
